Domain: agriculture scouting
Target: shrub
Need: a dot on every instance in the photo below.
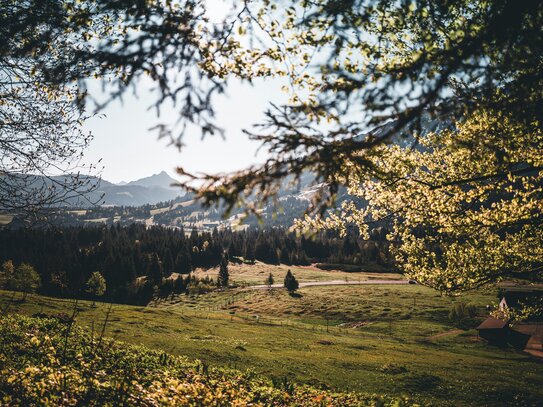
(462, 314)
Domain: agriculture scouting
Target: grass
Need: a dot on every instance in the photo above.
(372, 339)
(159, 210)
(49, 363)
(258, 272)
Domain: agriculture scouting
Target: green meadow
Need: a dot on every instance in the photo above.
(395, 340)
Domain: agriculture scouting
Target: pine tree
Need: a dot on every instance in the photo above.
(155, 269)
(285, 258)
(224, 276)
(249, 252)
(270, 280)
(168, 262)
(291, 284)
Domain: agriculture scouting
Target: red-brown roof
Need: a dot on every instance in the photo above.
(493, 323)
(529, 328)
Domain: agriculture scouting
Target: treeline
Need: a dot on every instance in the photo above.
(137, 262)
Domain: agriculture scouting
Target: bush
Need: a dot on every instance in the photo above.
(462, 314)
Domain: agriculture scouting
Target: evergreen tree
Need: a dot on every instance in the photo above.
(65, 258)
(182, 261)
(224, 276)
(179, 285)
(291, 284)
(166, 287)
(270, 280)
(168, 262)
(285, 258)
(145, 293)
(155, 269)
(249, 252)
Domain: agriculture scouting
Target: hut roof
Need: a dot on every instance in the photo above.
(493, 323)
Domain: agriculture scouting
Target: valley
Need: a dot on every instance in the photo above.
(388, 339)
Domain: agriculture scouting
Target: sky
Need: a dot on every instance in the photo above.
(130, 150)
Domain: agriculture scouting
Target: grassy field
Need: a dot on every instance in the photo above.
(258, 272)
(46, 362)
(394, 340)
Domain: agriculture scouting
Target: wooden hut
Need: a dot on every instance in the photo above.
(494, 330)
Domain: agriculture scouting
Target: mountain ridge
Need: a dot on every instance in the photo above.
(148, 190)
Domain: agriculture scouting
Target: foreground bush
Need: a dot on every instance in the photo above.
(45, 362)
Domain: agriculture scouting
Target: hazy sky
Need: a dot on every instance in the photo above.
(129, 150)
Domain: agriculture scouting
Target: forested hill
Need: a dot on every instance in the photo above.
(137, 261)
(148, 190)
(155, 201)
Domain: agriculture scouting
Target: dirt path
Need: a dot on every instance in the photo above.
(535, 346)
(448, 333)
(335, 282)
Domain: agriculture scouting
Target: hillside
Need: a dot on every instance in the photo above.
(368, 339)
(48, 362)
(154, 200)
(148, 190)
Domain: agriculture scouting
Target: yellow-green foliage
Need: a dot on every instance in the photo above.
(464, 210)
(38, 369)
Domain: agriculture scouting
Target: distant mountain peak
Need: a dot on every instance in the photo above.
(161, 179)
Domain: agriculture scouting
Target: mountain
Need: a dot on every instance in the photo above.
(161, 179)
(149, 190)
(136, 195)
(180, 208)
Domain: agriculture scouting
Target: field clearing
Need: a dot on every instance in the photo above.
(159, 210)
(5, 219)
(97, 220)
(256, 274)
(307, 339)
(184, 204)
(79, 212)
